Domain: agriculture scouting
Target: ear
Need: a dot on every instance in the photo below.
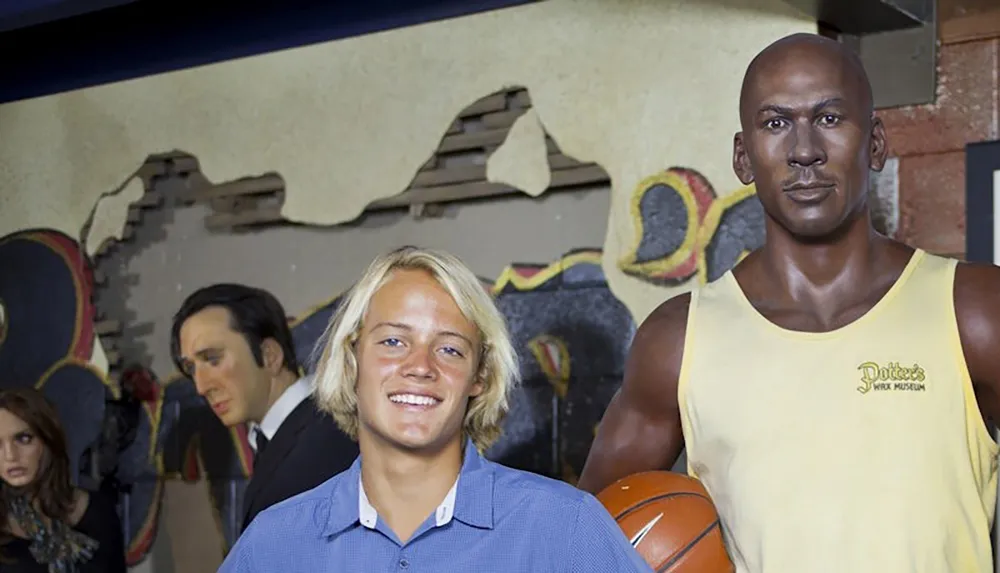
(741, 161)
(879, 145)
(274, 356)
(477, 387)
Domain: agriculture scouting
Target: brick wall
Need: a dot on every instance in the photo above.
(930, 140)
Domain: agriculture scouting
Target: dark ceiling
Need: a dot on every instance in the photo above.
(23, 13)
(51, 46)
(60, 45)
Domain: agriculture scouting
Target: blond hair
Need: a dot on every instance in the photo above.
(337, 368)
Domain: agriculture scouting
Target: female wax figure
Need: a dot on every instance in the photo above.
(46, 524)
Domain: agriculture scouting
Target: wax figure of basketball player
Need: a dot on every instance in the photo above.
(233, 341)
(825, 389)
(418, 365)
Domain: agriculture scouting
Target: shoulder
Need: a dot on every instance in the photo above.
(657, 349)
(976, 284)
(664, 329)
(542, 495)
(99, 512)
(309, 500)
(977, 310)
(668, 317)
(593, 540)
(977, 304)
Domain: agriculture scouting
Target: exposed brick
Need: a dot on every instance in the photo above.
(965, 109)
(932, 202)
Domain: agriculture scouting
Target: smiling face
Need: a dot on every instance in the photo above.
(808, 138)
(417, 362)
(22, 452)
(224, 370)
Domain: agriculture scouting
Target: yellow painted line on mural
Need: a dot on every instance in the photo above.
(143, 541)
(711, 224)
(70, 360)
(510, 276)
(628, 262)
(557, 371)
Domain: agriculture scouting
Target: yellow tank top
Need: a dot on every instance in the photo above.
(852, 451)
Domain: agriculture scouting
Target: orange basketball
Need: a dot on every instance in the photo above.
(670, 520)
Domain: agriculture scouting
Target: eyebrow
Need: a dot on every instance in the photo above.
(782, 110)
(200, 353)
(409, 328)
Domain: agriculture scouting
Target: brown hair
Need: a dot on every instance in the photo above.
(52, 486)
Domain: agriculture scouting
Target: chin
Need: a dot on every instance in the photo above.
(230, 420)
(19, 482)
(417, 439)
(812, 229)
(417, 442)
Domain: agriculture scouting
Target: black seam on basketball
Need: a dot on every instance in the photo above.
(658, 498)
(663, 568)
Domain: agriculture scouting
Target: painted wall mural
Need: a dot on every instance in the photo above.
(573, 358)
(47, 335)
(685, 231)
(571, 333)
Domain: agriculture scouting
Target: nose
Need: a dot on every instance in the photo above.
(9, 452)
(807, 149)
(202, 381)
(420, 363)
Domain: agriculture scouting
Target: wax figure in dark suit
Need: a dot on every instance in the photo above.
(233, 341)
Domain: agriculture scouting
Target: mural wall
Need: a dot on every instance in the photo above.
(395, 95)
(570, 330)
(273, 155)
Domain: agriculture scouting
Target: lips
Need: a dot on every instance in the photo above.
(221, 407)
(810, 192)
(16, 472)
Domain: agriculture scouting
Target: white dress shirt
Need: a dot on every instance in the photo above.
(282, 407)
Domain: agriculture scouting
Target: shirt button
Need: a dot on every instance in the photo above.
(403, 563)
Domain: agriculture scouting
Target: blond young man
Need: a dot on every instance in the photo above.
(417, 365)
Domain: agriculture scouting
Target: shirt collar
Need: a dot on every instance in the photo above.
(282, 407)
(368, 516)
(470, 499)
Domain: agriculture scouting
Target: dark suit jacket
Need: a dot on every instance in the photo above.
(307, 450)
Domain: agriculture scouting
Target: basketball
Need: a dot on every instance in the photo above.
(670, 520)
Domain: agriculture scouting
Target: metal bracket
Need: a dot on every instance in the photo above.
(896, 40)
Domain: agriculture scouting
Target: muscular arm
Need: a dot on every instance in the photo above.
(977, 306)
(641, 429)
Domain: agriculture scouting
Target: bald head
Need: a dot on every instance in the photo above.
(809, 137)
(779, 62)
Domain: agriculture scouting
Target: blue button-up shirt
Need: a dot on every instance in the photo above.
(501, 520)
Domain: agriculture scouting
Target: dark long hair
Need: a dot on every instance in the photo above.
(52, 486)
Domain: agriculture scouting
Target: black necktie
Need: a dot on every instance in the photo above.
(262, 441)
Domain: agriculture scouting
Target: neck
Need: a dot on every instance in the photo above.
(405, 487)
(814, 271)
(279, 384)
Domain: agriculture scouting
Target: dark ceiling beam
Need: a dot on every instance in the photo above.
(24, 13)
(859, 17)
(896, 40)
(148, 37)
